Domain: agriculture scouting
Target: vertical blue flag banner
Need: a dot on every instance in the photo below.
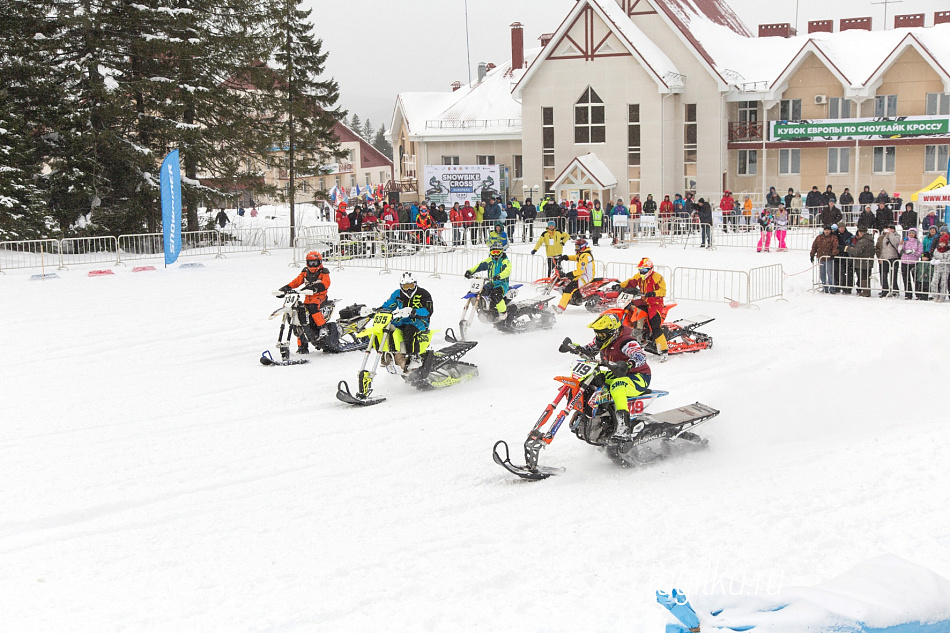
(171, 206)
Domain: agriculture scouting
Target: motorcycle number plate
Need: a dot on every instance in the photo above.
(582, 369)
(380, 318)
(638, 406)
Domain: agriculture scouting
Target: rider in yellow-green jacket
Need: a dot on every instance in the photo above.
(499, 270)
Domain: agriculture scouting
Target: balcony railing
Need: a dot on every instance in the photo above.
(746, 131)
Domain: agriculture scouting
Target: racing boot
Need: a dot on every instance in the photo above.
(366, 383)
(284, 349)
(662, 348)
(622, 418)
(302, 347)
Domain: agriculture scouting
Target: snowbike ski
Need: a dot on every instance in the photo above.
(343, 394)
(539, 472)
(268, 360)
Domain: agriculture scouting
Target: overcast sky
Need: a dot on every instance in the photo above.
(379, 48)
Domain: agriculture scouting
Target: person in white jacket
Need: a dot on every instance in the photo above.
(888, 251)
(781, 227)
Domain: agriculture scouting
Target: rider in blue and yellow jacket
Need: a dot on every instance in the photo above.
(412, 308)
(499, 270)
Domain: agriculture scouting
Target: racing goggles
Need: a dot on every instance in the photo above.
(644, 271)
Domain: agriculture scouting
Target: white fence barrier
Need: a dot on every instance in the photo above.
(88, 250)
(921, 280)
(703, 284)
(29, 254)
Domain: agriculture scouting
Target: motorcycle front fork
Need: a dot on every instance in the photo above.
(537, 439)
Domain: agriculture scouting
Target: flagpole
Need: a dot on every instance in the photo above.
(468, 49)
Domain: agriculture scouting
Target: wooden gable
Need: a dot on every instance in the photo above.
(636, 7)
(588, 38)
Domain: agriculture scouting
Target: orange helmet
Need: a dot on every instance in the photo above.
(645, 267)
(314, 260)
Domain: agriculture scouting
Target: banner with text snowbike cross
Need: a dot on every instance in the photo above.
(170, 181)
(851, 129)
(448, 184)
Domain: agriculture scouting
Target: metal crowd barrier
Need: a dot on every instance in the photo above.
(88, 250)
(766, 282)
(29, 254)
(881, 278)
(703, 284)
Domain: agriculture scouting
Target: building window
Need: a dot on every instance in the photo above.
(368, 180)
(885, 105)
(519, 167)
(450, 160)
(382, 177)
(633, 135)
(748, 111)
(323, 184)
(789, 162)
(547, 148)
(839, 160)
(352, 181)
(589, 119)
(485, 159)
(839, 108)
(938, 103)
(884, 159)
(935, 158)
(790, 110)
(748, 162)
(690, 152)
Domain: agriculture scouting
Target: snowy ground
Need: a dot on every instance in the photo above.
(157, 478)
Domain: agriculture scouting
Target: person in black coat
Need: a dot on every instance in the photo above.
(846, 200)
(883, 197)
(814, 202)
(866, 220)
(829, 195)
(844, 267)
(773, 199)
(908, 219)
(789, 197)
(705, 221)
(529, 213)
(866, 197)
(883, 216)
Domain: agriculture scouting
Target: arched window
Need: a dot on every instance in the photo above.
(589, 119)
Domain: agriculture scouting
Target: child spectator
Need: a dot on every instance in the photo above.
(924, 272)
(910, 255)
(938, 283)
(765, 229)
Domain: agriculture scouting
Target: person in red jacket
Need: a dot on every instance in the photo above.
(468, 219)
(455, 217)
(727, 205)
(316, 278)
(666, 215)
(342, 220)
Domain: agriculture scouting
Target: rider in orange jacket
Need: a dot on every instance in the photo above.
(316, 278)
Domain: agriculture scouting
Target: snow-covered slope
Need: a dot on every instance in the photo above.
(156, 478)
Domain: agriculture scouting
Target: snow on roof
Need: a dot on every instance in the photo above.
(481, 108)
(666, 71)
(856, 54)
(594, 167)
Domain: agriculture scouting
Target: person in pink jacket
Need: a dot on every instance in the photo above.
(781, 227)
(910, 256)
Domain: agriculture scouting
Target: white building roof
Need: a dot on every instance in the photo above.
(592, 166)
(483, 109)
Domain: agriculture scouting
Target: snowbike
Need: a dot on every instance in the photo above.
(682, 335)
(340, 335)
(429, 370)
(601, 292)
(521, 316)
(584, 397)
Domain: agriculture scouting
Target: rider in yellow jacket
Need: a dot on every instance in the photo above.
(583, 274)
(553, 242)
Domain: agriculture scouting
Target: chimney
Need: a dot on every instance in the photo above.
(482, 71)
(517, 46)
(941, 17)
(545, 38)
(909, 20)
(776, 30)
(490, 67)
(821, 26)
(850, 24)
(456, 85)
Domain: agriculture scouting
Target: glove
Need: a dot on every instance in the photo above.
(616, 370)
(650, 294)
(402, 313)
(468, 274)
(566, 346)
(812, 259)
(317, 287)
(534, 251)
(279, 293)
(560, 258)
